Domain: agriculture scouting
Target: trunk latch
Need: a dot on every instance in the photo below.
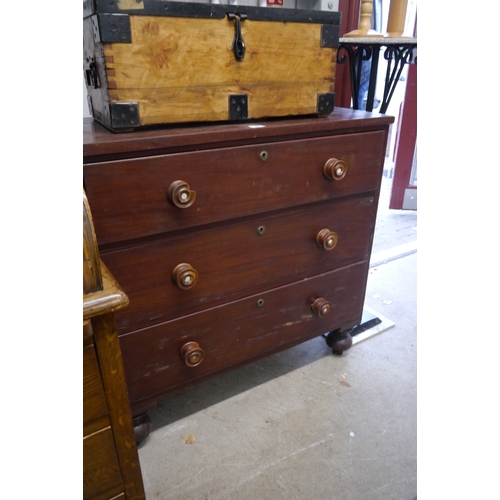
(238, 46)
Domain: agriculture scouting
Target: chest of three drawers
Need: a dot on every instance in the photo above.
(233, 242)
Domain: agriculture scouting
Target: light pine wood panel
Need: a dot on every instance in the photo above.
(177, 52)
(185, 69)
(205, 103)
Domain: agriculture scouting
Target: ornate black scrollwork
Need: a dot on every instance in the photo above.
(357, 55)
(396, 55)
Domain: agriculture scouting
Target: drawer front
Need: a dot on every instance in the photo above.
(240, 330)
(130, 198)
(101, 471)
(94, 400)
(238, 259)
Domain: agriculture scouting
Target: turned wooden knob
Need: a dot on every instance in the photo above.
(180, 194)
(185, 276)
(335, 169)
(327, 239)
(321, 307)
(192, 354)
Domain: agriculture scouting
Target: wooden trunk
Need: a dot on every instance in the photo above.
(155, 62)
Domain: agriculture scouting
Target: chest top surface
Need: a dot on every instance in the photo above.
(100, 144)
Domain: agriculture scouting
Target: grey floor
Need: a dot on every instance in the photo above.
(305, 424)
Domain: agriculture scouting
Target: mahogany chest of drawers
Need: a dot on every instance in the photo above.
(233, 241)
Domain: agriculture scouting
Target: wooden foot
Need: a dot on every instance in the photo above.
(339, 341)
(142, 427)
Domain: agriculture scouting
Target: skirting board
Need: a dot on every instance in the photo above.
(383, 326)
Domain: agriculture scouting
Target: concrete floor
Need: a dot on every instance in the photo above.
(305, 424)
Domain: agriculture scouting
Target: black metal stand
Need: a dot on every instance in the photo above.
(398, 52)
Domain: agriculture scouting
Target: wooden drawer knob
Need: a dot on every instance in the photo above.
(185, 276)
(321, 307)
(180, 194)
(192, 354)
(327, 239)
(335, 169)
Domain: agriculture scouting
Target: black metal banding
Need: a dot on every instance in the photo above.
(213, 11)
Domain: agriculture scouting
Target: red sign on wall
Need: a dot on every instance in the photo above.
(271, 3)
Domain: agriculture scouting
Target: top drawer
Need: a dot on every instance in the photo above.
(130, 198)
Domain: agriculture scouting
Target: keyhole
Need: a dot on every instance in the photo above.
(261, 230)
(263, 156)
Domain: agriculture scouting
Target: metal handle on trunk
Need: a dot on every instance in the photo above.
(238, 46)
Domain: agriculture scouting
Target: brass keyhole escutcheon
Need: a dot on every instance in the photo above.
(260, 302)
(263, 156)
(261, 230)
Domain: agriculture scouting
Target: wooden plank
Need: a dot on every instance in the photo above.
(204, 103)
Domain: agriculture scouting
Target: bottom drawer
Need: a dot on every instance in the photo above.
(240, 330)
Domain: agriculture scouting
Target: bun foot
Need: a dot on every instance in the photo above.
(339, 341)
(142, 427)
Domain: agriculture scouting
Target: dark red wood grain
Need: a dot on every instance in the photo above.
(100, 144)
(234, 259)
(239, 331)
(143, 236)
(129, 198)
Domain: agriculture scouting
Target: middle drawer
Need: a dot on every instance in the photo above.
(229, 261)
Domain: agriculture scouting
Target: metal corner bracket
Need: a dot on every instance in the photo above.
(123, 114)
(238, 106)
(111, 28)
(326, 103)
